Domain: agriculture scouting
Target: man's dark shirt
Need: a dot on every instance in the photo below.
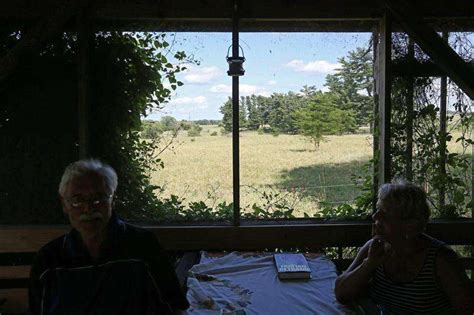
(123, 242)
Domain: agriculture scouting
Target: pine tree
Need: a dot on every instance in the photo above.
(353, 84)
(322, 117)
(226, 111)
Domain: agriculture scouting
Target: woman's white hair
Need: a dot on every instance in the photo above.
(406, 198)
(82, 167)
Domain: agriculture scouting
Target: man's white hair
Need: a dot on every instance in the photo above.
(82, 167)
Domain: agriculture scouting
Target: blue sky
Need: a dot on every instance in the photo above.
(275, 62)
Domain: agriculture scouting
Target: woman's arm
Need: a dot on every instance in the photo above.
(353, 283)
(454, 281)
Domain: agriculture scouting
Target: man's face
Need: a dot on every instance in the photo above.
(88, 204)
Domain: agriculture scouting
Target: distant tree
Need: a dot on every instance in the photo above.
(204, 122)
(226, 111)
(253, 120)
(323, 117)
(151, 129)
(264, 108)
(353, 84)
(243, 112)
(283, 107)
(308, 91)
(169, 123)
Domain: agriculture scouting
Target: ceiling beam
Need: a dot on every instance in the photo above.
(433, 45)
(262, 15)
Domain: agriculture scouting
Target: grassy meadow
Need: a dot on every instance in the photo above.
(285, 167)
(200, 168)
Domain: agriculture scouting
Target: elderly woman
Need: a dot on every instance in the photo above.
(401, 269)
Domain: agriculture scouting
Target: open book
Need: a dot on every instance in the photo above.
(292, 266)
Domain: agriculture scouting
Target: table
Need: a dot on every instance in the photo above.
(247, 283)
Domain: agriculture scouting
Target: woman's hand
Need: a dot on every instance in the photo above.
(379, 251)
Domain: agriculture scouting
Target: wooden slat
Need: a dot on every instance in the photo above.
(16, 239)
(16, 301)
(261, 237)
(245, 237)
(14, 272)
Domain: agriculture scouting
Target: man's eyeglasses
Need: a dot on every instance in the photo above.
(79, 203)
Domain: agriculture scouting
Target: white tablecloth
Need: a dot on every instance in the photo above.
(247, 283)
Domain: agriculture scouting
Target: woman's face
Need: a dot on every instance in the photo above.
(388, 222)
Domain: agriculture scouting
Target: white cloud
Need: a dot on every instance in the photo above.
(244, 89)
(198, 101)
(202, 75)
(221, 88)
(318, 66)
(272, 82)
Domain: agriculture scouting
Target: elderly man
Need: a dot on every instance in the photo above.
(103, 265)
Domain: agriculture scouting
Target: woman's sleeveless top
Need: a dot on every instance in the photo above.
(420, 296)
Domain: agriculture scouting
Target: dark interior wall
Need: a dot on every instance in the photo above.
(38, 128)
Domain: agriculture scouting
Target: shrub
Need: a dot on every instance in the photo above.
(195, 131)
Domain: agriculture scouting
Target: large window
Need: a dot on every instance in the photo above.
(306, 125)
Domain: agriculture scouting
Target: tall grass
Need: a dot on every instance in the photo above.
(287, 166)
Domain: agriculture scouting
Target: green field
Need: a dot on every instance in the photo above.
(200, 168)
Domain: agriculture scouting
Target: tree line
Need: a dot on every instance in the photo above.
(152, 129)
(346, 106)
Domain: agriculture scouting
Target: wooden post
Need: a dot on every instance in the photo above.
(84, 35)
(409, 122)
(442, 134)
(235, 118)
(384, 92)
(376, 125)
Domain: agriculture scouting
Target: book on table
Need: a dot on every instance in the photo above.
(292, 266)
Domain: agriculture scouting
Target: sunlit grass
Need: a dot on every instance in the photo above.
(200, 168)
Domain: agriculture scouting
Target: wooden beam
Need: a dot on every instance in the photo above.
(384, 80)
(410, 113)
(414, 68)
(433, 45)
(257, 16)
(44, 30)
(442, 135)
(376, 121)
(14, 272)
(246, 237)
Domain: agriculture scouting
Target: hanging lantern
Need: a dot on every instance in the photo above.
(236, 68)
